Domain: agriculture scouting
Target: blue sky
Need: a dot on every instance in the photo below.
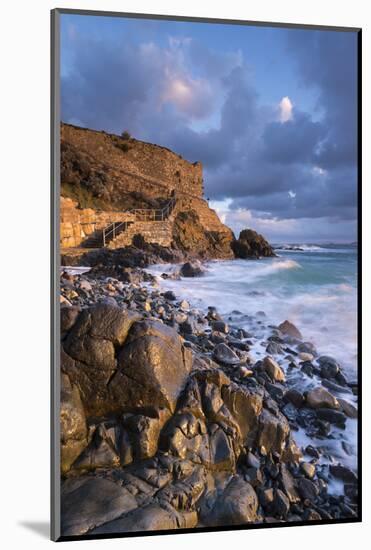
(270, 112)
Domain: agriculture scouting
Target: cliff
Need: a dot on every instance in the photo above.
(104, 176)
(106, 171)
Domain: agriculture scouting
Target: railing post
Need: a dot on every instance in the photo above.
(104, 237)
(114, 230)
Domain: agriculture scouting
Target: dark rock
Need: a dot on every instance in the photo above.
(329, 370)
(102, 450)
(311, 515)
(150, 517)
(252, 460)
(74, 432)
(212, 314)
(275, 391)
(295, 397)
(331, 385)
(254, 476)
(312, 451)
(221, 451)
(307, 368)
(96, 332)
(169, 295)
(144, 432)
(342, 472)
(192, 269)
(351, 491)
(236, 505)
(307, 489)
(223, 354)
(307, 347)
(266, 497)
(274, 348)
(329, 366)
(347, 408)
(149, 372)
(251, 245)
(82, 510)
(281, 504)
(152, 368)
(324, 428)
(334, 417)
(288, 484)
(69, 315)
(341, 379)
(219, 326)
(290, 411)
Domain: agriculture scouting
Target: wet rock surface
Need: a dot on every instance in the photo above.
(171, 419)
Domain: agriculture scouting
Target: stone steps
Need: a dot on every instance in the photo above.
(159, 232)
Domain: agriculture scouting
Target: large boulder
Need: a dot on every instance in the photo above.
(120, 365)
(236, 505)
(152, 517)
(152, 369)
(251, 245)
(321, 398)
(88, 502)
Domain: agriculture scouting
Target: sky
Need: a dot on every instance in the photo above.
(270, 112)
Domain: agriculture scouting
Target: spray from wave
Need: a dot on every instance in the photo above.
(258, 271)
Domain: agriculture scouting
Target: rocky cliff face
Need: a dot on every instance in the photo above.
(108, 172)
(251, 244)
(103, 175)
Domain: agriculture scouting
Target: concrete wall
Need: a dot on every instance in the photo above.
(77, 224)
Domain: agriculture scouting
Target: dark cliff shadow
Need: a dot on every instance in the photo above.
(41, 528)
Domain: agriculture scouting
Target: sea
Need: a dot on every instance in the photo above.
(313, 286)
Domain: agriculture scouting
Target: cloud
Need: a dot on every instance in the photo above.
(327, 61)
(294, 141)
(286, 108)
(271, 166)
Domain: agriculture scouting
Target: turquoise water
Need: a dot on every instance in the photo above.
(315, 288)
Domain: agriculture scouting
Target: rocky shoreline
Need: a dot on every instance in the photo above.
(173, 417)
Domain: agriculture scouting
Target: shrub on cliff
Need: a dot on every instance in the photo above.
(125, 135)
(123, 146)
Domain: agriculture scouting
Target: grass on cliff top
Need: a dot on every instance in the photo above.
(84, 197)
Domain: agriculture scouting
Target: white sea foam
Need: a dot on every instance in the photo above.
(315, 295)
(75, 270)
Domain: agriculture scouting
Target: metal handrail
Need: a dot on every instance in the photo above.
(113, 228)
(154, 214)
(149, 214)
